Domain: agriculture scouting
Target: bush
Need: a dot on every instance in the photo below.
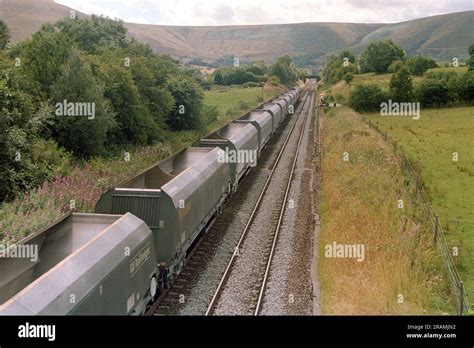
(366, 98)
(465, 87)
(401, 87)
(274, 81)
(433, 93)
(348, 77)
(209, 114)
(419, 65)
(396, 65)
(243, 105)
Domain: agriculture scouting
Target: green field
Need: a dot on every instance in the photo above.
(430, 143)
(234, 101)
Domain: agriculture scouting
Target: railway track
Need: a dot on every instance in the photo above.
(169, 299)
(305, 110)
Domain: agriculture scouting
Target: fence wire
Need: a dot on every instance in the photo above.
(459, 292)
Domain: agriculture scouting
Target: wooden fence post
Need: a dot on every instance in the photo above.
(436, 231)
(461, 298)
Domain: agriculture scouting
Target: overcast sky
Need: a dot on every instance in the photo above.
(225, 12)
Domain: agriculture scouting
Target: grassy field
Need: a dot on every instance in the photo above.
(235, 101)
(401, 272)
(430, 143)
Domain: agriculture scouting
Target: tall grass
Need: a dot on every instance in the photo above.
(402, 272)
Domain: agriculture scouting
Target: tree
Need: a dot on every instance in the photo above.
(4, 35)
(401, 87)
(218, 79)
(349, 55)
(379, 55)
(367, 97)
(285, 70)
(83, 135)
(188, 96)
(94, 33)
(135, 124)
(44, 55)
(470, 61)
(419, 65)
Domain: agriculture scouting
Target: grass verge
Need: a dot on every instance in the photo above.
(401, 272)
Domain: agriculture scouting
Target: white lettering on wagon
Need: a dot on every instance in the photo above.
(139, 260)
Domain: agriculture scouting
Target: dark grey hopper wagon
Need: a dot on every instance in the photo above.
(262, 120)
(242, 139)
(275, 111)
(177, 198)
(88, 264)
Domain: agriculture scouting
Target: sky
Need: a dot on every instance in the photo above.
(246, 12)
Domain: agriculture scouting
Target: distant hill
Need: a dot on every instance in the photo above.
(441, 37)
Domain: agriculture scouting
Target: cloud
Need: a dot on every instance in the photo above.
(231, 12)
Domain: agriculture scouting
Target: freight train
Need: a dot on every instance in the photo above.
(118, 259)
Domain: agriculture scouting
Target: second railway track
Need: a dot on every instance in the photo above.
(251, 261)
(191, 292)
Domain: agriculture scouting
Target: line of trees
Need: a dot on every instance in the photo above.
(438, 88)
(136, 94)
(283, 70)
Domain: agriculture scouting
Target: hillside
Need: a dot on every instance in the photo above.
(442, 37)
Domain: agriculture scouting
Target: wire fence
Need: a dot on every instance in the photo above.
(458, 289)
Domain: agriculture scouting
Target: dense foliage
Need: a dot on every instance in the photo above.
(438, 87)
(81, 88)
(379, 55)
(283, 69)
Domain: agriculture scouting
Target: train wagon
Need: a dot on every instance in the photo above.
(275, 111)
(283, 102)
(178, 198)
(240, 143)
(262, 120)
(85, 264)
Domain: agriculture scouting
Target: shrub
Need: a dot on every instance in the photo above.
(209, 114)
(366, 98)
(243, 105)
(419, 65)
(401, 87)
(433, 93)
(348, 77)
(396, 65)
(274, 81)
